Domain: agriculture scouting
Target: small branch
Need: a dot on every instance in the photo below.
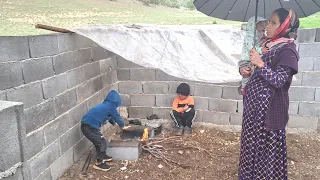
(51, 28)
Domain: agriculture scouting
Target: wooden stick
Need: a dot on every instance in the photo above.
(51, 28)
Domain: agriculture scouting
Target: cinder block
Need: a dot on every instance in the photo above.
(97, 84)
(199, 116)
(111, 87)
(37, 69)
(11, 75)
(142, 74)
(162, 76)
(236, 119)
(306, 64)
(76, 76)
(55, 85)
(140, 112)
(125, 100)
(64, 62)
(174, 85)
(77, 113)
(3, 95)
(207, 90)
(309, 108)
(122, 63)
(201, 103)
(85, 90)
(304, 122)
(99, 53)
(219, 118)
(162, 113)
(111, 77)
(302, 93)
(39, 115)
(317, 96)
(95, 100)
(123, 74)
(43, 160)
(316, 64)
(311, 79)
(67, 42)
(65, 102)
(124, 150)
(84, 42)
(143, 100)
(223, 105)
(30, 94)
(165, 100)
(130, 87)
(13, 48)
(309, 50)
(44, 45)
(105, 65)
(56, 128)
(297, 80)
(92, 70)
(155, 88)
(34, 145)
(293, 107)
(306, 35)
(82, 57)
(231, 92)
(62, 164)
(16, 176)
(46, 175)
(70, 138)
(317, 39)
(80, 148)
(240, 107)
(318, 32)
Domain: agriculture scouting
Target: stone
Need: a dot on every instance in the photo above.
(317, 96)
(311, 79)
(140, 112)
(123, 74)
(56, 128)
(223, 105)
(82, 57)
(236, 119)
(142, 74)
(13, 48)
(130, 87)
(309, 50)
(3, 95)
(84, 42)
(11, 75)
(143, 100)
(207, 90)
(302, 93)
(92, 70)
(46, 175)
(219, 118)
(85, 90)
(105, 65)
(97, 84)
(55, 85)
(62, 164)
(64, 102)
(67, 42)
(35, 144)
(99, 53)
(124, 150)
(155, 88)
(303, 122)
(77, 113)
(231, 92)
(161, 112)
(123, 111)
(76, 77)
(111, 78)
(306, 35)
(70, 138)
(306, 64)
(316, 64)
(165, 100)
(201, 103)
(44, 45)
(293, 107)
(240, 107)
(64, 62)
(94, 100)
(37, 69)
(309, 108)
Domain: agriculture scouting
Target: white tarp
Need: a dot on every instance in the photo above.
(199, 53)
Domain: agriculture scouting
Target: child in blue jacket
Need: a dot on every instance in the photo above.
(94, 119)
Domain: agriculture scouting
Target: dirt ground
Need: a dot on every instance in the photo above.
(211, 154)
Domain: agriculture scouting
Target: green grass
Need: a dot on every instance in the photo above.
(18, 17)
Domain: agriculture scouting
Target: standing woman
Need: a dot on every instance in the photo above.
(263, 152)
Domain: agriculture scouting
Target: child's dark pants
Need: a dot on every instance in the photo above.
(98, 140)
(185, 119)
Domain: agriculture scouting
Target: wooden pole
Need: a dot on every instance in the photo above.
(51, 28)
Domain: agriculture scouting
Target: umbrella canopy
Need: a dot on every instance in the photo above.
(243, 10)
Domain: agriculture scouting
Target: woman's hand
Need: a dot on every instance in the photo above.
(256, 58)
(245, 72)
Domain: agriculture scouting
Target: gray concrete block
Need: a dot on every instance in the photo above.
(317, 39)
(107, 89)
(9, 136)
(122, 63)
(162, 76)
(293, 107)
(46, 175)
(304, 122)
(318, 32)
(84, 42)
(30, 94)
(317, 96)
(85, 90)
(143, 100)
(201, 103)
(162, 113)
(231, 92)
(306, 64)
(223, 105)
(306, 35)
(130, 87)
(309, 50)
(236, 119)
(297, 80)
(77, 113)
(64, 62)
(142, 74)
(106, 65)
(199, 116)
(39, 115)
(123, 74)
(309, 108)
(111, 78)
(302, 93)
(173, 88)
(62, 164)
(94, 100)
(129, 150)
(37, 69)
(16, 176)
(218, 118)
(70, 138)
(13, 48)
(92, 70)
(67, 42)
(97, 84)
(165, 100)
(82, 57)
(43, 160)
(125, 100)
(99, 53)
(156, 88)
(140, 112)
(44, 45)
(207, 90)
(311, 79)
(11, 75)
(55, 85)
(240, 107)
(34, 145)
(3, 95)
(316, 64)
(80, 148)
(65, 102)
(76, 76)
(56, 128)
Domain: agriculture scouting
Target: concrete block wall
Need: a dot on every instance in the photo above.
(56, 78)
